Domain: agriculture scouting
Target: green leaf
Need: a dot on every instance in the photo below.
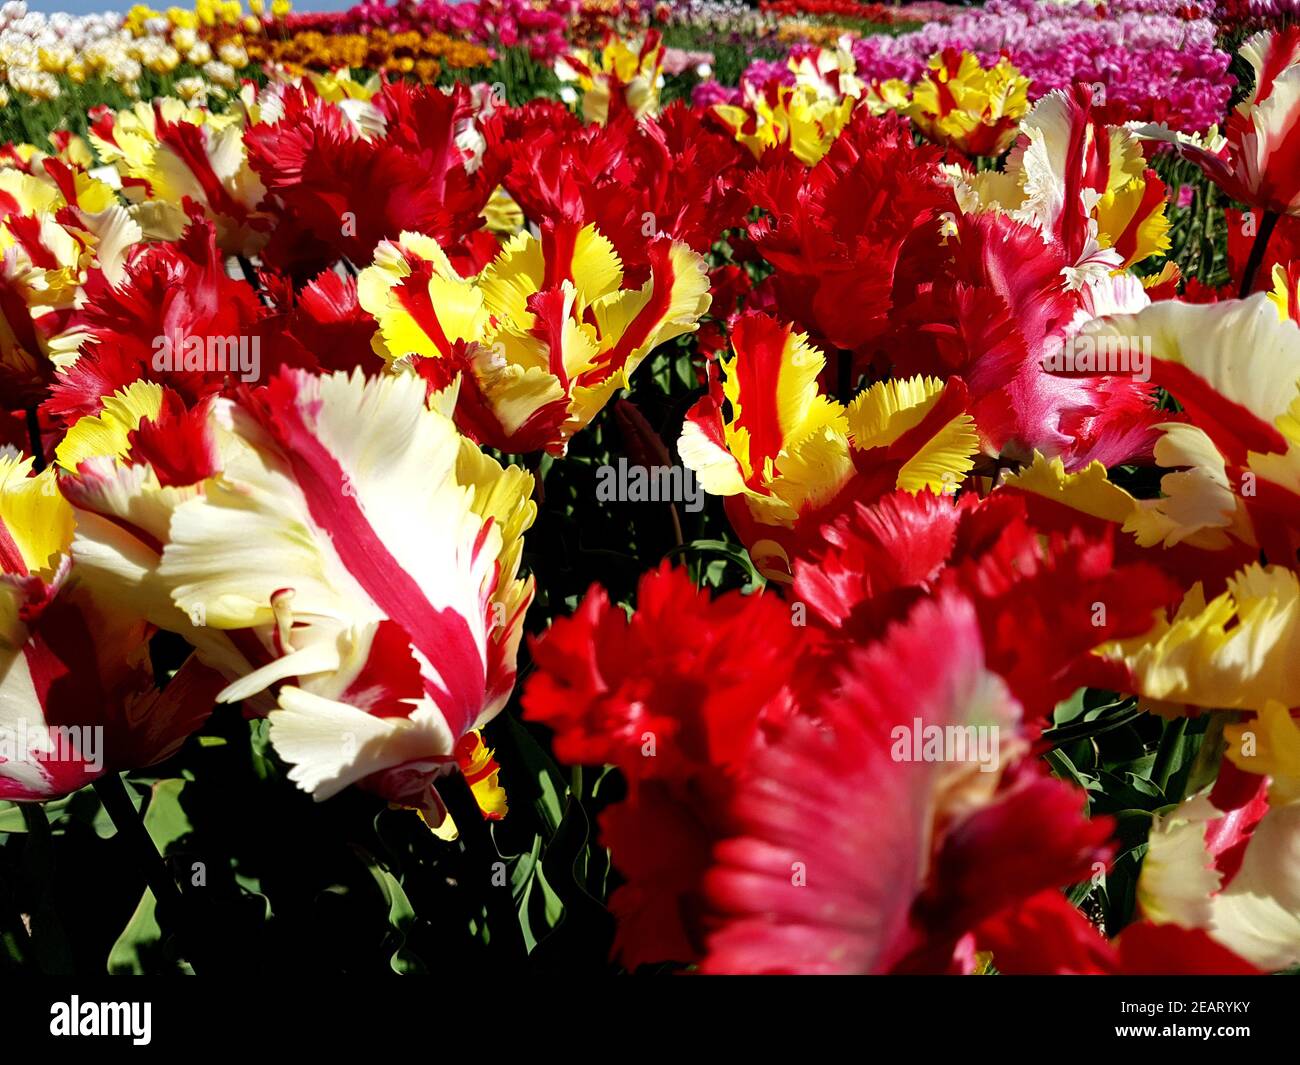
(544, 785)
(1069, 709)
(129, 954)
(1127, 791)
(139, 948)
(11, 818)
(165, 818)
(401, 916)
(582, 938)
(1064, 768)
(536, 902)
(733, 553)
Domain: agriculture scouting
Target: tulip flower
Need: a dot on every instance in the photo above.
(674, 175)
(1045, 935)
(1256, 161)
(1286, 290)
(1084, 183)
(167, 154)
(341, 177)
(788, 457)
(678, 696)
(57, 225)
(961, 104)
(78, 689)
(782, 114)
(535, 345)
(384, 580)
(627, 77)
(1234, 651)
(1221, 862)
(1235, 369)
(379, 639)
(888, 884)
(873, 197)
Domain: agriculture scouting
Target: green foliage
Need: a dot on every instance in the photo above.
(29, 121)
(1197, 233)
(1134, 766)
(520, 76)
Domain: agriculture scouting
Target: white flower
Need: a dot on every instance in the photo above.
(233, 55)
(192, 90)
(220, 73)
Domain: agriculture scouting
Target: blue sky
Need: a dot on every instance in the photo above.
(86, 7)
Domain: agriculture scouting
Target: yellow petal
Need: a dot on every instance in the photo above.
(106, 433)
(35, 514)
(1239, 651)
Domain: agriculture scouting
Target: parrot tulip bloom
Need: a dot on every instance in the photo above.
(674, 175)
(1235, 651)
(125, 470)
(179, 292)
(240, 526)
(998, 313)
(777, 114)
(1195, 544)
(57, 225)
(678, 696)
(341, 177)
(831, 73)
(78, 691)
(1234, 367)
(805, 106)
(960, 104)
(40, 276)
(875, 198)
(876, 560)
(1257, 160)
(788, 457)
(370, 552)
(1223, 861)
(531, 349)
(627, 77)
(1083, 183)
(1286, 290)
(1046, 935)
(893, 877)
(168, 154)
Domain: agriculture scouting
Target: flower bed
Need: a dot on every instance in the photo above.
(692, 488)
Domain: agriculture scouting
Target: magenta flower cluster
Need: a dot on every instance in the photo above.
(1148, 59)
(503, 23)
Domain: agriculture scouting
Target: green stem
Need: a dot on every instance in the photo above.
(1205, 767)
(50, 949)
(14, 936)
(1257, 251)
